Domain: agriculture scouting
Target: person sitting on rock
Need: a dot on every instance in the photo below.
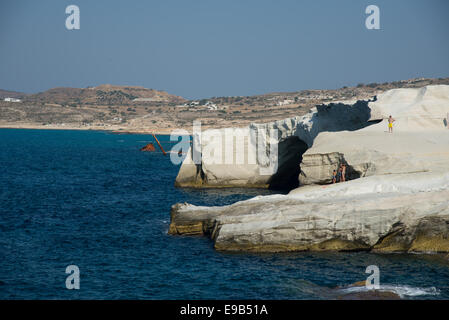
(390, 124)
(334, 176)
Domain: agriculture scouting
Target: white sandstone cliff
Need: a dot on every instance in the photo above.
(419, 141)
(249, 163)
(397, 200)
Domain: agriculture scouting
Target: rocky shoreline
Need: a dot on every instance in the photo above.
(318, 220)
(118, 130)
(397, 199)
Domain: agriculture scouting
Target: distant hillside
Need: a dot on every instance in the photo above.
(361, 91)
(11, 94)
(104, 95)
(137, 109)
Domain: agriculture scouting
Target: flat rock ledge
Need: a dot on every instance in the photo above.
(384, 216)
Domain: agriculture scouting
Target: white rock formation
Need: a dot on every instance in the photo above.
(399, 203)
(384, 213)
(420, 109)
(294, 136)
(419, 141)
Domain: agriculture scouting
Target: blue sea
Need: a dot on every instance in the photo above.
(93, 200)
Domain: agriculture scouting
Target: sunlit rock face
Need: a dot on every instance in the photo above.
(395, 213)
(418, 143)
(396, 199)
(251, 152)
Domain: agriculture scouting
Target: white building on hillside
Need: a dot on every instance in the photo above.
(211, 106)
(285, 102)
(12, 100)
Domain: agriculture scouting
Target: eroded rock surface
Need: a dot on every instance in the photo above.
(418, 143)
(397, 199)
(294, 137)
(388, 215)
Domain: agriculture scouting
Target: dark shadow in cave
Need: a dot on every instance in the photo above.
(351, 174)
(339, 117)
(290, 153)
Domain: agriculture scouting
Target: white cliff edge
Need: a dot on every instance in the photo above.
(397, 198)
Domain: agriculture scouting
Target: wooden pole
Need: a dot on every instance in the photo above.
(159, 144)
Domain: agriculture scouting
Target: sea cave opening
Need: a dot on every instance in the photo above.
(290, 153)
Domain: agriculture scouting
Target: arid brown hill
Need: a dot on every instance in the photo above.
(11, 94)
(137, 109)
(103, 95)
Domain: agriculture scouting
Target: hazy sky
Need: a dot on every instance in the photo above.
(205, 48)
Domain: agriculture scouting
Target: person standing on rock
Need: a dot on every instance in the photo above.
(338, 178)
(390, 124)
(334, 176)
(343, 172)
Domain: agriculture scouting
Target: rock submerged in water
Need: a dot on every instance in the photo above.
(369, 294)
(397, 200)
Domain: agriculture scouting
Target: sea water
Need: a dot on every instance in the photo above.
(93, 200)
